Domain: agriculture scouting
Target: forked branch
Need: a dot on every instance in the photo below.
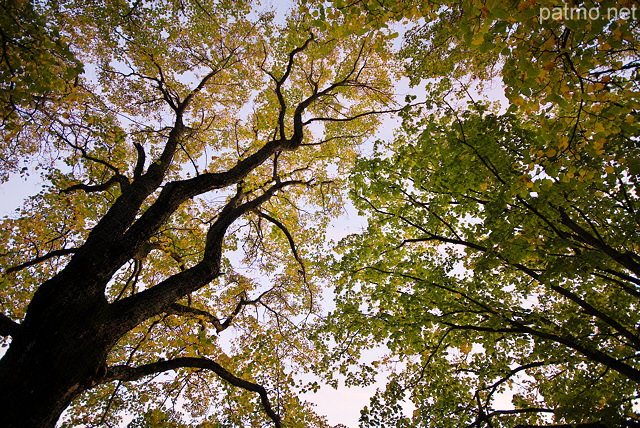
(220, 326)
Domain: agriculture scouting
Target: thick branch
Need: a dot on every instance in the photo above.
(122, 214)
(125, 208)
(177, 192)
(134, 309)
(282, 80)
(8, 327)
(126, 373)
(142, 156)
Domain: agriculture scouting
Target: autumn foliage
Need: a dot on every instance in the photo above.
(171, 270)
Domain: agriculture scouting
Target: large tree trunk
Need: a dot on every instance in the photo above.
(51, 361)
(40, 377)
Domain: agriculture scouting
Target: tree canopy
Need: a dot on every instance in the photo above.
(171, 270)
(193, 153)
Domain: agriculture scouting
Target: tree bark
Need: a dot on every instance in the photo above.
(48, 364)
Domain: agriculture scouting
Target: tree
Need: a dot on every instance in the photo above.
(502, 252)
(483, 279)
(191, 181)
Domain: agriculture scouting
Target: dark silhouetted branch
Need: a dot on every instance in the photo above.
(126, 373)
(56, 253)
(8, 327)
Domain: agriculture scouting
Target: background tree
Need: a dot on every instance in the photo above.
(511, 257)
(186, 192)
(482, 281)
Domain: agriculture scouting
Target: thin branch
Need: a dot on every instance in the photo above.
(87, 156)
(178, 309)
(203, 82)
(292, 243)
(587, 307)
(521, 411)
(107, 408)
(55, 253)
(282, 80)
(357, 116)
(132, 280)
(493, 388)
(587, 425)
(116, 179)
(629, 290)
(564, 338)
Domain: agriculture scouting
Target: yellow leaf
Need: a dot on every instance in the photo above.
(478, 40)
(564, 142)
(598, 127)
